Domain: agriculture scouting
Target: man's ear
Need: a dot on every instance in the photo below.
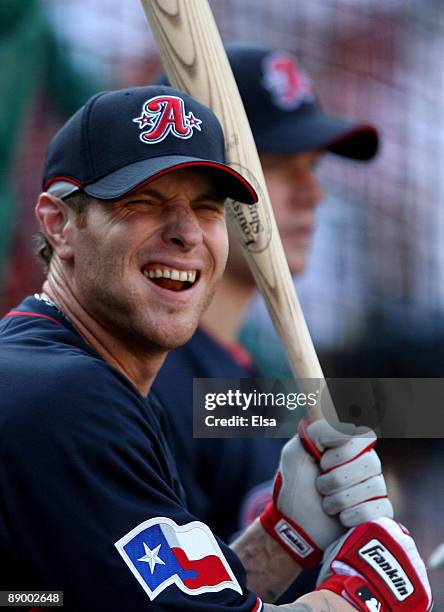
(55, 222)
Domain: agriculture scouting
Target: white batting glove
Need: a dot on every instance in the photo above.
(351, 482)
(303, 515)
(376, 566)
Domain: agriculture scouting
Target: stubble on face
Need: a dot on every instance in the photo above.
(119, 237)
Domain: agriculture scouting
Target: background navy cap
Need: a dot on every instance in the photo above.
(282, 109)
(123, 139)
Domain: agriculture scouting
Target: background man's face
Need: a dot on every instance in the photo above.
(127, 259)
(294, 192)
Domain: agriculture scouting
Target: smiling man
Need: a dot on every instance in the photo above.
(134, 240)
(126, 276)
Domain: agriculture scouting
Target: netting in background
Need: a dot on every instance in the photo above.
(379, 244)
(379, 248)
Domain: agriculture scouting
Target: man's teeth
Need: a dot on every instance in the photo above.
(179, 275)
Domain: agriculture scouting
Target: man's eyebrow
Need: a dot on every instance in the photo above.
(147, 192)
(205, 195)
(211, 195)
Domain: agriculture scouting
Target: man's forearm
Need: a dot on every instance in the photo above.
(321, 601)
(270, 569)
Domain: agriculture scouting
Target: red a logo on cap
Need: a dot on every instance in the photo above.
(289, 85)
(164, 115)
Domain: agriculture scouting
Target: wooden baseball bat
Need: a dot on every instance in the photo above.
(195, 61)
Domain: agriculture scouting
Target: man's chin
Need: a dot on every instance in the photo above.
(298, 264)
(174, 338)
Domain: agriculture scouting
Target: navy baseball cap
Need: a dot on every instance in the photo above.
(121, 140)
(283, 111)
(284, 114)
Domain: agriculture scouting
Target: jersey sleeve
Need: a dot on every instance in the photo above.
(91, 506)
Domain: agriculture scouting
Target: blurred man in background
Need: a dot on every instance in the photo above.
(292, 134)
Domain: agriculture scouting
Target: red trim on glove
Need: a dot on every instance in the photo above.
(379, 559)
(307, 442)
(277, 486)
(367, 449)
(290, 536)
(356, 591)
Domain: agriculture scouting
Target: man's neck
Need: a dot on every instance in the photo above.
(140, 369)
(224, 316)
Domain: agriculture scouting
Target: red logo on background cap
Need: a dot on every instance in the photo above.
(165, 115)
(288, 84)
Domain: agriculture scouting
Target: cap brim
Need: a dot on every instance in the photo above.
(132, 177)
(317, 131)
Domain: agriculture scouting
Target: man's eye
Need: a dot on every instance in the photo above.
(206, 207)
(142, 203)
(214, 206)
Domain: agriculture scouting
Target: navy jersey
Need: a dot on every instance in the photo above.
(91, 502)
(227, 481)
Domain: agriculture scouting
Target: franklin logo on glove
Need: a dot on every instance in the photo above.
(381, 560)
(376, 566)
(293, 539)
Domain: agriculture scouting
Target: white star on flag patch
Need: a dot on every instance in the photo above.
(160, 553)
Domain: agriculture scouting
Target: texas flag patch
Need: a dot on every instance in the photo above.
(160, 553)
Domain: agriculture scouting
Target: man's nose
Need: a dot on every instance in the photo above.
(313, 191)
(182, 227)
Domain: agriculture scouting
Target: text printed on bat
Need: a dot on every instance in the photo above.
(253, 222)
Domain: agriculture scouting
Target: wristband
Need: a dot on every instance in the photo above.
(378, 562)
(289, 535)
(356, 591)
